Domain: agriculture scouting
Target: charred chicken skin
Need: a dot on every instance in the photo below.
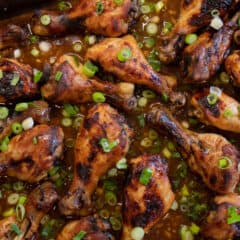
(28, 160)
(146, 203)
(136, 69)
(232, 65)
(40, 201)
(107, 18)
(95, 227)
(75, 87)
(209, 155)
(194, 15)
(203, 59)
(219, 111)
(218, 225)
(102, 126)
(16, 81)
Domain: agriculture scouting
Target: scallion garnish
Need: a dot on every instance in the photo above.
(124, 54)
(224, 162)
(45, 20)
(89, 69)
(14, 228)
(37, 76)
(233, 216)
(99, 7)
(212, 98)
(58, 76)
(108, 146)
(80, 235)
(145, 176)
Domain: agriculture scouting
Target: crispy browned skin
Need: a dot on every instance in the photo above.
(38, 110)
(25, 87)
(194, 15)
(75, 87)
(232, 65)
(40, 201)
(11, 36)
(214, 114)
(28, 161)
(113, 21)
(136, 70)
(90, 161)
(203, 59)
(204, 152)
(216, 227)
(145, 205)
(95, 227)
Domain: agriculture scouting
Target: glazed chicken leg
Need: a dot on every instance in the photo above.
(219, 111)
(203, 59)
(75, 87)
(216, 226)
(95, 227)
(30, 160)
(135, 70)
(145, 204)
(194, 15)
(16, 81)
(210, 155)
(101, 17)
(103, 139)
(232, 65)
(40, 201)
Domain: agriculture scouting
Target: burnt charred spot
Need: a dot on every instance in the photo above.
(209, 5)
(213, 109)
(83, 172)
(90, 121)
(186, 3)
(115, 25)
(153, 209)
(213, 180)
(227, 177)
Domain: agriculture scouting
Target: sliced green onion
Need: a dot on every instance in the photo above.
(228, 113)
(122, 164)
(80, 235)
(35, 52)
(63, 6)
(233, 216)
(20, 212)
(18, 186)
(152, 29)
(149, 42)
(148, 94)
(13, 198)
(215, 13)
(22, 199)
(14, 228)
(9, 212)
(66, 122)
(185, 233)
(77, 47)
(166, 153)
(142, 102)
(152, 134)
(17, 128)
(165, 97)
(141, 120)
(33, 39)
(108, 146)
(191, 38)
(37, 76)
(115, 223)
(20, 107)
(110, 185)
(224, 162)
(124, 55)
(58, 76)
(1, 73)
(159, 6)
(224, 77)
(70, 110)
(77, 122)
(110, 198)
(99, 7)
(167, 27)
(145, 176)
(89, 69)
(53, 171)
(146, 142)
(104, 213)
(212, 98)
(15, 80)
(118, 2)
(35, 140)
(4, 112)
(98, 97)
(45, 20)
(4, 144)
(147, 8)
(137, 233)
(195, 229)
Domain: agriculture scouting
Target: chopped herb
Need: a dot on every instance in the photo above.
(233, 216)
(33, 39)
(70, 110)
(99, 7)
(14, 228)
(108, 146)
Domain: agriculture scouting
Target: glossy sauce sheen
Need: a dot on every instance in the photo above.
(168, 227)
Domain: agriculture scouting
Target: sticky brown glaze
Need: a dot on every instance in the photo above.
(75, 87)
(232, 66)
(204, 152)
(40, 201)
(136, 70)
(25, 87)
(215, 227)
(90, 161)
(95, 227)
(112, 21)
(29, 161)
(194, 15)
(11, 36)
(215, 114)
(145, 205)
(203, 59)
